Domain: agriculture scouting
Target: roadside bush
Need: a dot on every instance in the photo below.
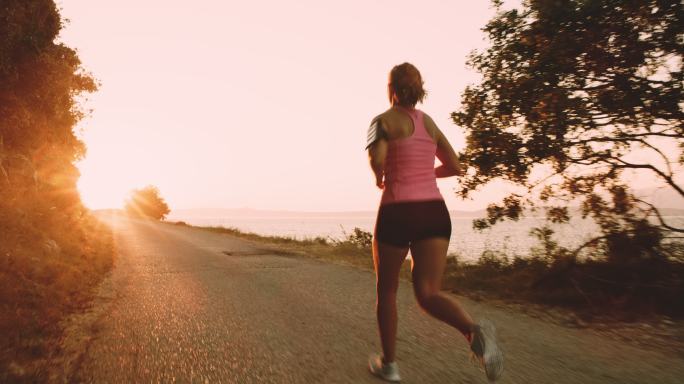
(148, 203)
(594, 286)
(359, 238)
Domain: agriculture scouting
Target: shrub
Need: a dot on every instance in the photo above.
(147, 202)
(359, 238)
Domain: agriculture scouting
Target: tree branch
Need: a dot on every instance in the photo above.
(632, 136)
(654, 209)
(668, 178)
(666, 160)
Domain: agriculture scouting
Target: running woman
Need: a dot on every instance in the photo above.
(402, 145)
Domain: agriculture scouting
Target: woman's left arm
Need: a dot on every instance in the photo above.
(377, 150)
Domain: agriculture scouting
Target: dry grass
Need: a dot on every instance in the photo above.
(47, 270)
(346, 251)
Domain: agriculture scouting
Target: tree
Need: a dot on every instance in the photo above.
(53, 251)
(147, 202)
(40, 81)
(580, 89)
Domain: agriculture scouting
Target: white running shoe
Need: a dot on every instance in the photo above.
(388, 372)
(486, 350)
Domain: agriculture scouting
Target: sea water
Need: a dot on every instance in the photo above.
(511, 238)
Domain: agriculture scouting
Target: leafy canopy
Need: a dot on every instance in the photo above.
(578, 88)
(40, 81)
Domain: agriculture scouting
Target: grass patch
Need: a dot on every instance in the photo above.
(354, 249)
(48, 269)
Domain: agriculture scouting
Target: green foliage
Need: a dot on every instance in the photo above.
(147, 202)
(578, 87)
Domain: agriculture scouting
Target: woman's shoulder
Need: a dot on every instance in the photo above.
(381, 121)
(430, 126)
(376, 130)
(428, 119)
(390, 116)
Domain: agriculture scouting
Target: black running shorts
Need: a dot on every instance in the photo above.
(399, 224)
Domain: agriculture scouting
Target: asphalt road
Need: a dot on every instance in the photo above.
(190, 306)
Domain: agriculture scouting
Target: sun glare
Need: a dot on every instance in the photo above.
(97, 194)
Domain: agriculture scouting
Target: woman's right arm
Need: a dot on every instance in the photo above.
(451, 166)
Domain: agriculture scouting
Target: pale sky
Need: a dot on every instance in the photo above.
(259, 104)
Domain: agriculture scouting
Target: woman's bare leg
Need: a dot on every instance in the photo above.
(428, 262)
(388, 260)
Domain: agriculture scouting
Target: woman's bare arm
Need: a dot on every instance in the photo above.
(377, 149)
(377, 153)
(451, 166)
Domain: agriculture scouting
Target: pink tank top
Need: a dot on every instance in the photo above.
(410, 165)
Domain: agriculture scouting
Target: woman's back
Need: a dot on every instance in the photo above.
(410, 162)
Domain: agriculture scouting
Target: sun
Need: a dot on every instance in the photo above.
(98, 195)
(102, 188)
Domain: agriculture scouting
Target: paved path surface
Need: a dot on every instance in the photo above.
(182, 310)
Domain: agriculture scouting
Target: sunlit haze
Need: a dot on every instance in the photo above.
(260, 104)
